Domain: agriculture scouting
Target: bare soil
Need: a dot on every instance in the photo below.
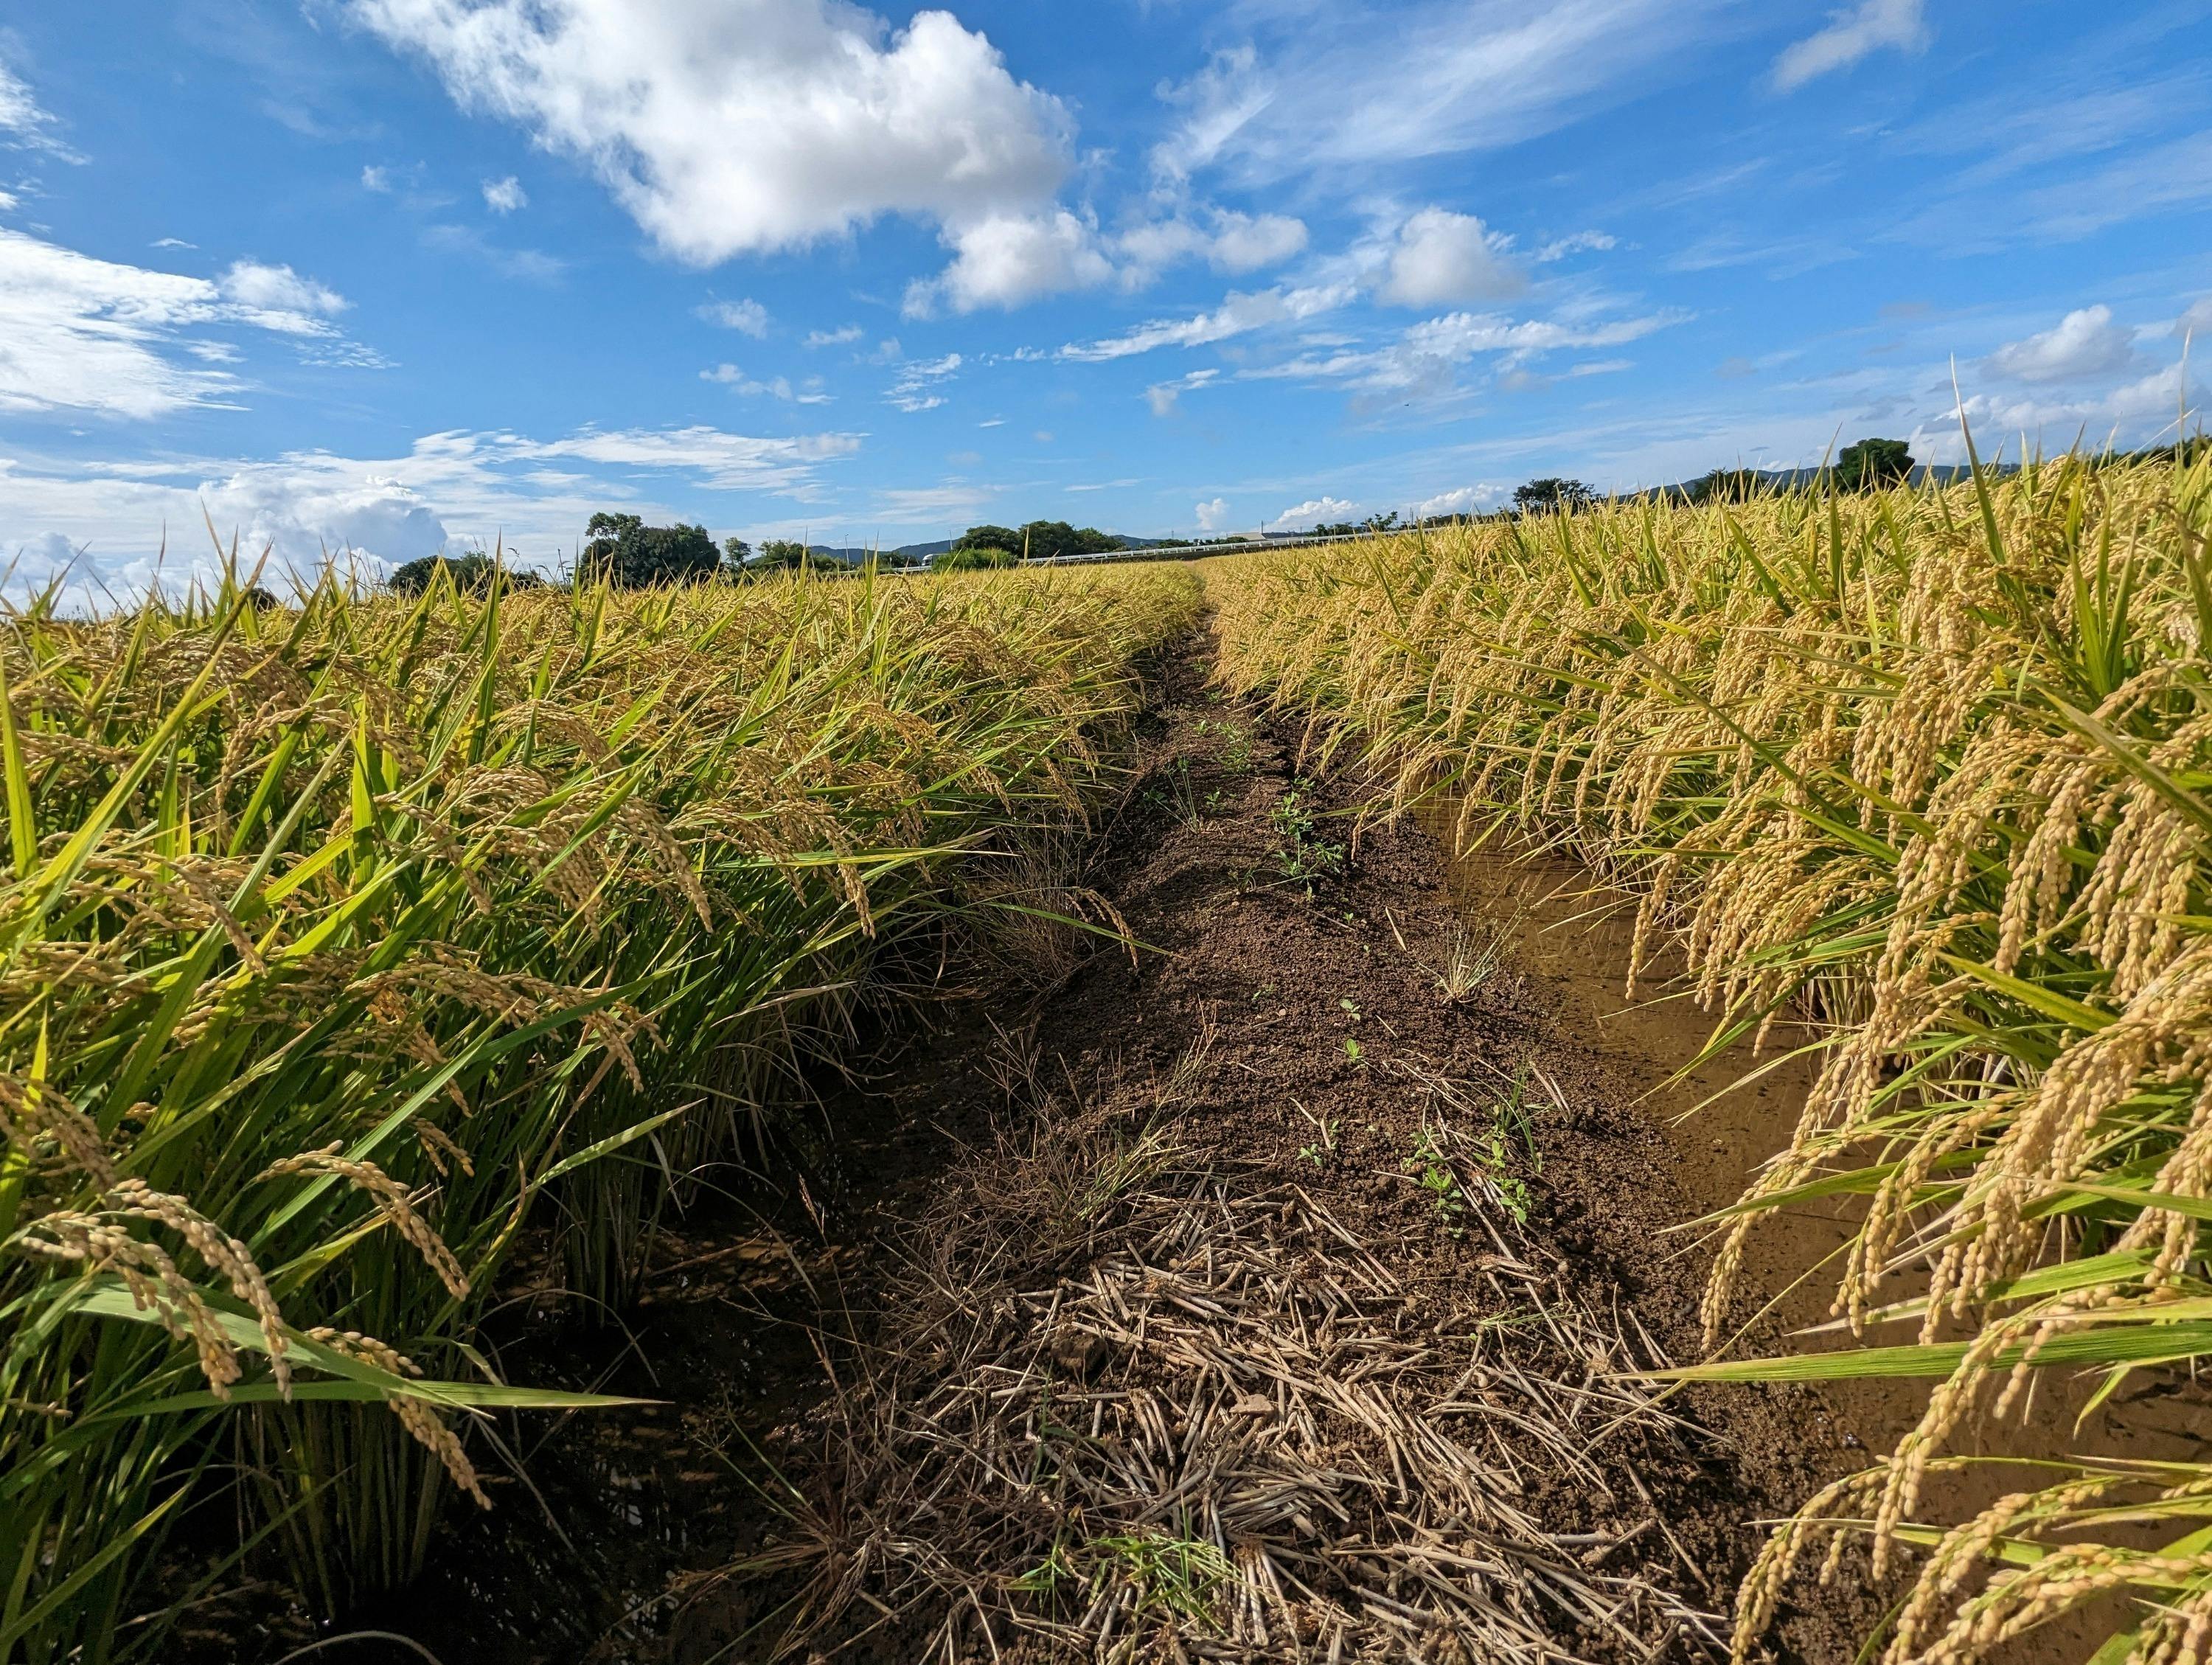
(1255, 1238)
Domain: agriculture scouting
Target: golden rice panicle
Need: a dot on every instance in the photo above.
(447, 905)
(1928, 770)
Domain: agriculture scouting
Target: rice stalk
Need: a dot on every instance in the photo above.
(1930, 768)
(342, 945)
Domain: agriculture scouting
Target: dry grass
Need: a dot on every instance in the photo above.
(1928, 767)
(1198, 1420)
(339, 944)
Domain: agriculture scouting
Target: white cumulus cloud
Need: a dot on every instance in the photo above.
(1228, 240)
(1462, 499)
(2140, 412)
(1010, 259)
(1853, 33)
(505, 196)
(2084, 343)
(749, 125)
(1448, 259)
(1212, 515)
(1311, 512)
(450, 490)
(280, 294)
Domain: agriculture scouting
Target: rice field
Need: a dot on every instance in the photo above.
(1930, 769)
(348, 945)
(354, 951)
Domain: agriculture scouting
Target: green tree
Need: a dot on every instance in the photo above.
(1550, 494)
(775, 555)
(1046, 540)
(629, 555)
(1726, 485)
(1873, 463)
(989, 537)
(472, 573)
(735, 553)
(970, 557)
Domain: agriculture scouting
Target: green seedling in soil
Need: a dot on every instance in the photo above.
(1179, 1575)
(1471, 958)
(1350, 1050)
(1079, 1196)
(1435, 1172)
(1347, 1005)
(1182, 1576)
(1237, 755)
(1299, 855)
(1509, 1122)
(1261, 992)
(1178, 793)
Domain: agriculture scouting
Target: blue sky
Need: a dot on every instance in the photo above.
(383, 276)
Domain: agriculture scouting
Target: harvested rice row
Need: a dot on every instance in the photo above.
(341, 943)
(1932, 768)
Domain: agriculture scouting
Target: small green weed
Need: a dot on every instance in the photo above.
(1182, 1576)
(1299, 854)
(1236, 752)
(1435, 1172)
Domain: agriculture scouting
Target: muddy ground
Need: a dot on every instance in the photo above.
(1278, 1077)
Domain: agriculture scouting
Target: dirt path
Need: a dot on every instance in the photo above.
(1266, 1300)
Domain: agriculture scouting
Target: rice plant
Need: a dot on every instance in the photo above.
(342, 944)
(1932, 769)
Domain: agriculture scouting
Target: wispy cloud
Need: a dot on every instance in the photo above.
(1348, 87)
(99, 337)
(1853, 33)
(1424, 360)
(1237, 315)
(911, 391)
(25, 124)
(1162, 395)
(729, 376)
(746, 317)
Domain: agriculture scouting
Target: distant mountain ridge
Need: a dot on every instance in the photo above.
(915, 552)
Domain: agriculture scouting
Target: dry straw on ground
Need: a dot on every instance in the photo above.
(1930, 768)
(1125, 1408)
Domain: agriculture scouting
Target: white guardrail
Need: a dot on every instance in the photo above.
(1159, 552)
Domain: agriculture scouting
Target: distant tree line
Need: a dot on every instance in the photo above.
(622, 551)
(1037, 540)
